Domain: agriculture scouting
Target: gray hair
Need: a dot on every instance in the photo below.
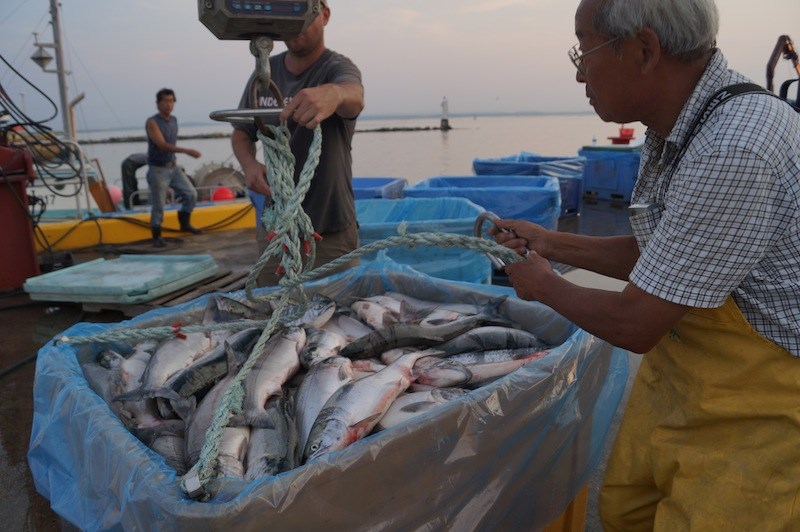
(687, 28)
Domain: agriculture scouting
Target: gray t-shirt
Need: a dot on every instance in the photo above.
(329, 202)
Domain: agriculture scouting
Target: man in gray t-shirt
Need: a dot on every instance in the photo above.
(320, 87)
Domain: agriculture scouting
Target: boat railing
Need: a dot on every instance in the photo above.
(65, 185)
(140, 199)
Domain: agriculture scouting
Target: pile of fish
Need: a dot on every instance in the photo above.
(330, 376)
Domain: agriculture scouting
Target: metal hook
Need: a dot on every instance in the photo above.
(492, 217)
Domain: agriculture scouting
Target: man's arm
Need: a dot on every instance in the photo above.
(154, 132)
(631, 319)
(613, 256)
(245, 151)
(312, 105)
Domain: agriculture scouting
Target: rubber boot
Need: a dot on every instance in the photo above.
(157, 240)
(183, 220)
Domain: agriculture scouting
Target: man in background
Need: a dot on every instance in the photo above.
(163, 173)
(320, 87)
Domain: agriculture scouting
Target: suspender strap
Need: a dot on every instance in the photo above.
(717, 99)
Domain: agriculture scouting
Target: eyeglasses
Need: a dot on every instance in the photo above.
(577, 57)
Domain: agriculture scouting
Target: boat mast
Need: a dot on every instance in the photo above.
(55, 16)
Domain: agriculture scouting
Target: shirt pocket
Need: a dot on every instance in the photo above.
(644, 218)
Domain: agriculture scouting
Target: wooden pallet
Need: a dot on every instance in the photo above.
(222, 281)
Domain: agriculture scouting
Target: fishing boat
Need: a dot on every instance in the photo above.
(74, 207)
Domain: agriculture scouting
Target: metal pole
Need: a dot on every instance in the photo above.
(60, 69)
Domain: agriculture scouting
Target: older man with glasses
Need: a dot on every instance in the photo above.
(711, 434)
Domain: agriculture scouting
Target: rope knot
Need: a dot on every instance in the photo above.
(176, 331)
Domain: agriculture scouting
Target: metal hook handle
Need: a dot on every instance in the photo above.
(492, 217)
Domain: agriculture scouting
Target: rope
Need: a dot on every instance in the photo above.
(291, 236)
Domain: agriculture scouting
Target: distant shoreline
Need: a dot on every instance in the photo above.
(142, 138)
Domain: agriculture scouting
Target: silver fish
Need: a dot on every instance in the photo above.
(366, 366)
(205, 372)
(124, 377)
(461, 308)
(172, 447)
(411, 405)
(442, 373)
(373, 314)
(320, 344)
(272, 449)
(355, 408)
(232, 452)
(348, 327)
(489, 365)
(321, 382)
(320, 309)
(490, 338)
(203, 415)
(171, 356)
(404, 335)
(278, 363)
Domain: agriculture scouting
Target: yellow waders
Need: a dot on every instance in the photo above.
(711, 436)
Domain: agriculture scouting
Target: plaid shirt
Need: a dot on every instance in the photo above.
(727, 221)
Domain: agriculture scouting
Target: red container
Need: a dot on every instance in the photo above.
(18, 250)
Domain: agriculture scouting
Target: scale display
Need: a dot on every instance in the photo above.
(280, 20)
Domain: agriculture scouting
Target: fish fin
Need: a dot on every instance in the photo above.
(367, 423)
(134, 395)
(388, 319)
(185, 407)
(411, 314)
(421, 406)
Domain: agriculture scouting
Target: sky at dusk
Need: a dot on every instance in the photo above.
(484, 56)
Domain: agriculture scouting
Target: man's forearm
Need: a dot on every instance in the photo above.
(243, 148)
(613, 256)
(352, 100)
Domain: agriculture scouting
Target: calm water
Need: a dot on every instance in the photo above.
(413, 155)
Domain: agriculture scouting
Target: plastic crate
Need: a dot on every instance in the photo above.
(523, 163)
(379, 219)
(610, 173)
(533, 198)
(603, 218)
(378, 187)
(571, 192)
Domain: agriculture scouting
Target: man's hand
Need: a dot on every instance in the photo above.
(255, 178)
(528, 275)
(192, 153)
(521, 236)
(312, 105)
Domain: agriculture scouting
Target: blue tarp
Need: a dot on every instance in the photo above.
(537, 199)
(510, 455)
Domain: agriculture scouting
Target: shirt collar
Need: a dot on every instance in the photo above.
(714, 78)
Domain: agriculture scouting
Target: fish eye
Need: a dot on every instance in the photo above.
(314, 447)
